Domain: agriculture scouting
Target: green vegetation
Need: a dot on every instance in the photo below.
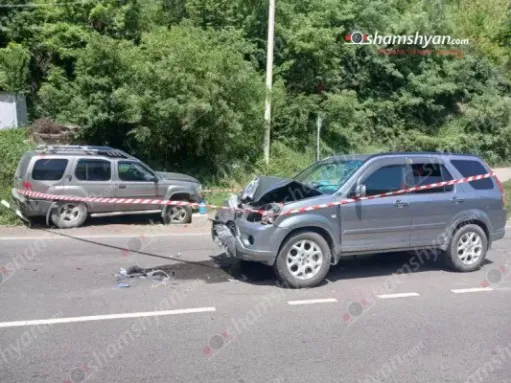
(180, 84)
(13, 143)
(507, 197)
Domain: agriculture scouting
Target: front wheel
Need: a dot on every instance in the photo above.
(304, 260)
(467, 249)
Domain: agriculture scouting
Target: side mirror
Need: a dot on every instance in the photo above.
(360, 191)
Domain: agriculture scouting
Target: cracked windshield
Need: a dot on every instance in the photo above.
(255, 191)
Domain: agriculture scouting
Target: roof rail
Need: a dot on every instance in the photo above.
(83, 149)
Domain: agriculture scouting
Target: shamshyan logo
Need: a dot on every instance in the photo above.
(359, 38)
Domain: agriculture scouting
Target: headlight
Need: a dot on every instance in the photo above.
(199, 189)
(271, 212)
(250, 189)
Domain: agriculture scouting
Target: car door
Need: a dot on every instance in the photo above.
(380, 223)
(136, 181)
(92, 177)
(432, 209)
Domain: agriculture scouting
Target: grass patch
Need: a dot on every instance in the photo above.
(507, 197)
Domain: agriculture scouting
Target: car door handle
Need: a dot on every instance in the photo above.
(399, 203)
(457, 200)
(122, 186)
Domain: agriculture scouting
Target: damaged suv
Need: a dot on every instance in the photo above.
(461, 220)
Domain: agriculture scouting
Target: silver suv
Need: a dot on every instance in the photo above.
(103, 172)
(461, 220)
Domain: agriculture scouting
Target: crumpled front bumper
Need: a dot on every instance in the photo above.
(246, 240)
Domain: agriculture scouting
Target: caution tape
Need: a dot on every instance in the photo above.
(392, 193)
(131, 201)
(54, 197)
(221, 190)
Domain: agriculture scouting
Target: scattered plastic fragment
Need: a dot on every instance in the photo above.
(157, 276)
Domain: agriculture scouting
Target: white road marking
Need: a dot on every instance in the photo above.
(312, 301)
(472, 290)
(71, 236)
(105, 317)
(400, 295)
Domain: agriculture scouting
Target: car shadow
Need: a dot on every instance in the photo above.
(367, 266)
(223, 268)
(137, 219)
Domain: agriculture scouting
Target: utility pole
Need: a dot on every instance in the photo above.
(319, 122)
(269, 81)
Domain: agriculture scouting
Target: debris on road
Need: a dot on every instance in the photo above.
(157, 276)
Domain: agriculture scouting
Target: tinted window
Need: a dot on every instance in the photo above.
(386, 179)
(93, 170)
(430, 173)
(132, 171)
(49, 170)
(469, 168)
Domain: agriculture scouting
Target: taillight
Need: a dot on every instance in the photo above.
(501, 188)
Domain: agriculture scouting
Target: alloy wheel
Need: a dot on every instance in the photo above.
(470, 247)
(304, 259)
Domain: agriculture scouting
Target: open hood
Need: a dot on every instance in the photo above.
(263, 190)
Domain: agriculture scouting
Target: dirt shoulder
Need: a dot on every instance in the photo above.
(106, 228)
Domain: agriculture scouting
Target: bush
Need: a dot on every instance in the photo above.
(13, 143)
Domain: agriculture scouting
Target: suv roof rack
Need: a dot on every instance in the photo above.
(83, 149)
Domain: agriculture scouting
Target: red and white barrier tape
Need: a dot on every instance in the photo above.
(53, 197)
(392, 193)
(221, 190)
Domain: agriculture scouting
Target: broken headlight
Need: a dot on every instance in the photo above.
(271, 212)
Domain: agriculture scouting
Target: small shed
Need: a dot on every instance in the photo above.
(13, 110)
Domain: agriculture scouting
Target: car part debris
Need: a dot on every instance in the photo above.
(157, 276)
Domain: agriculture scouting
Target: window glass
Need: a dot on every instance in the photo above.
(430, 173)
(93, 170)
(133, 171)
(384, 180)
(49, 169)
(469, 168)
(328, 176)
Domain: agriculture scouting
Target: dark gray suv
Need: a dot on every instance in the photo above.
(101, 172)
(462, 220)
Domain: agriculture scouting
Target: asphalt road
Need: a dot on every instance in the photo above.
(64, 319)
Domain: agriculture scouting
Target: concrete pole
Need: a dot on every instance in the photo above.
(269, 80)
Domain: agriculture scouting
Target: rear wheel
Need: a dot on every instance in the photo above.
(177, 215)
(304, 260)
(69, 214)
(467, 249)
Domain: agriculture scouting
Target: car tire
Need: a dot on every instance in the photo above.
(67, 215)
(467, 249)
(299, 254)
(177, 215)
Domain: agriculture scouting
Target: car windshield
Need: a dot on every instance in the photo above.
(328, 176)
